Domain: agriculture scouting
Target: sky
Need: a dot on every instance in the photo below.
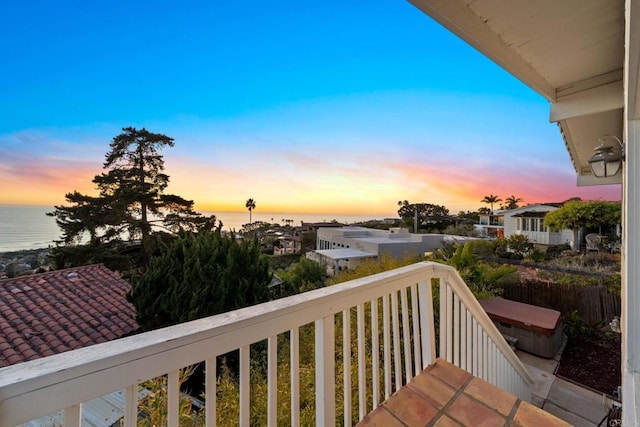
(337, 107)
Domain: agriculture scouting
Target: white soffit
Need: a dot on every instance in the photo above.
(569, 51)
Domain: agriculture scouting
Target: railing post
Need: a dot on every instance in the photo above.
(362, 369)
(73, 416)
(375, 362)
(272, 381)
(427, 326)
(295, 375)
(245, 384)
(173, 398)
(325, 372)
(346, 364)
(443, 318)
(131, 405)
(210, 391)
(386, 339)
(415, 324)
(397, 363)
(408, 374)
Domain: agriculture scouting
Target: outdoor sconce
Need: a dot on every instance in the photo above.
(608, 160)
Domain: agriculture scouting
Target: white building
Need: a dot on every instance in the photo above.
(491, 225)
(345, 247)
(339, 259)
(529, 221)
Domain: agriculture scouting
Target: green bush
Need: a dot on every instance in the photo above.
(554, 251)
(519, 244)
(199, 275)
(537, 256)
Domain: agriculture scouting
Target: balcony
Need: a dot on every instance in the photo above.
(389, 339)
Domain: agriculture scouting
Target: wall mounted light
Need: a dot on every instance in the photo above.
(608, 159)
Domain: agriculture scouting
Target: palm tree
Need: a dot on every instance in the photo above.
(251, 205)
(512, 202)
(491, 199)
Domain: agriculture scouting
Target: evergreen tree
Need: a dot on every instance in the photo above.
(436, 216)
(305, 275)
(131, 203)
(199, 275)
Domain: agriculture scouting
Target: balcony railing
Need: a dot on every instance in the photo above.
(392, 314)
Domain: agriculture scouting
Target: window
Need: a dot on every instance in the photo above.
(525, 224)
(542, 226)
(534, 224)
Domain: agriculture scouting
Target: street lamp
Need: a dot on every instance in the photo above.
(608, 160)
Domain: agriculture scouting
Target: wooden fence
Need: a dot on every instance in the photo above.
(594, 304)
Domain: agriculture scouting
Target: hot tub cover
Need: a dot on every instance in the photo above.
(537, 319)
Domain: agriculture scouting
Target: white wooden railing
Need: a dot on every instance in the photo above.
(391, 312)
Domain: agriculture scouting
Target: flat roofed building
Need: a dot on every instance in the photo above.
(345, 247)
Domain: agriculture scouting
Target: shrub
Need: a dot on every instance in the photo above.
(520, 244)
(200, 275)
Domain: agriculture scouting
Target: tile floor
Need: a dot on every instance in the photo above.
(445, 395)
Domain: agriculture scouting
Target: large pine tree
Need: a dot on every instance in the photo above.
(131, 202)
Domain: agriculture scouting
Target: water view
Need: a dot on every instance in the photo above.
(28, 227)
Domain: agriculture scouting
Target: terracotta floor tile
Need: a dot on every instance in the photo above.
(410, 408)
(449, 373)
(470, 412)
(432, 398)
(432, 389)
(445, 421)
(380, 417)
(529, 415)
(491, 396)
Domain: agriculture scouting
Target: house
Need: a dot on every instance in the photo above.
(344, 247)
(51, 313)
(491, 224)
(339, 259)
(59, 311)
(291, 243)
(529, 221)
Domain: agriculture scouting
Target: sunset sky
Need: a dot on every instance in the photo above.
(306, 107)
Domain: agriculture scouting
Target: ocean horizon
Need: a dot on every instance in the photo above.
(28, 227)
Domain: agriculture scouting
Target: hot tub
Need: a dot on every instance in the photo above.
(538, 330)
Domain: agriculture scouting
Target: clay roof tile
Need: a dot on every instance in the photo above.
(49, 313)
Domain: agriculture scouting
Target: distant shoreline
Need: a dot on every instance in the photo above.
(28, 227)
(23, 251)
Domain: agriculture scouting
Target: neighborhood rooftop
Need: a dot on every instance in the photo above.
(50, 313)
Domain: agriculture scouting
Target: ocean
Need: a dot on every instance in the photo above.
(28, 227)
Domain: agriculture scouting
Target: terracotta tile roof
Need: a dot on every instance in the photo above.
(49, 313)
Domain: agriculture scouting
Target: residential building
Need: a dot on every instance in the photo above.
(51, 313)
(345, 247)
(56, 312)
(491, 224)
(339, 259)
(290, 240)
(529, 221)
